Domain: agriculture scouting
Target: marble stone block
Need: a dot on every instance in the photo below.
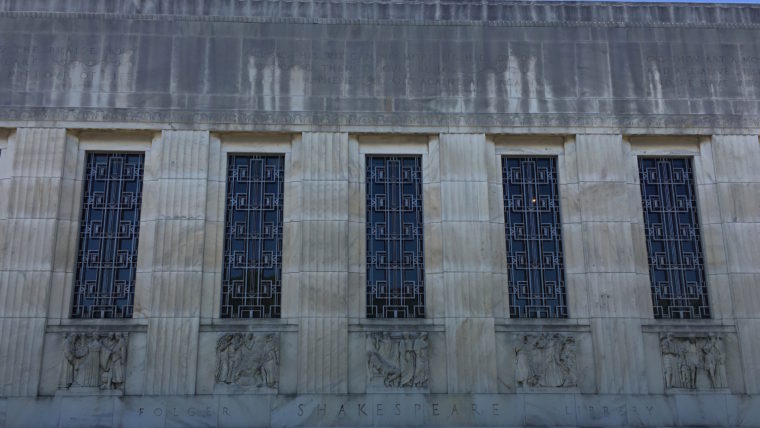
(464, 201)
(467, 247)
(744, 291)
(322, 359)
(323, 245)
(21, 341)
(709, 204)
(618, 355)
(736, 158)
(608, 247)
(739, 202)
(170, 366)
(749, 343)
(323, 156)
(744, 249)
(617, 295)
(463, 157)
(324, 200)
(600, 157)
(470, 355)
(322, 294)
(609, 201)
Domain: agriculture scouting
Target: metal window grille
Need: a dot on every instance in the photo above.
(534, 240)
(395, 265)
(252, 278)
(676, 268)
(108, 233)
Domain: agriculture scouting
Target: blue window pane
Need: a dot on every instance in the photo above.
(395, 265)
(676, 269)
(108, 232)
(252, 277)
(534, 241)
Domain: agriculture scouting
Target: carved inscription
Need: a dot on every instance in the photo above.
(94, 360)
(72, 66)
(248, 359)
(707, 72)
(695, 362)
(397, 360)
(545, 360)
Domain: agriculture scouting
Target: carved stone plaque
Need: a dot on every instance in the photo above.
(397, 360)
(94, 361)
(693, 362)
(545, 360)
(248, 360)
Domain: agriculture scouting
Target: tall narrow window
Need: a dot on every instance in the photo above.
(108, 232)
(395, 266)
(676, 269)
(252, 278)
(534, 239)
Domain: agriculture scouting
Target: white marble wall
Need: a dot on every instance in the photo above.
(323, 328)
(320, 163)
(179, 162)
(736, 159)
(36, 164)
(474, 258)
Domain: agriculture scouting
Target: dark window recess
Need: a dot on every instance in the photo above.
(534, 240)
(108, 232)
(252, 277)
(676, 268)
(395, 265)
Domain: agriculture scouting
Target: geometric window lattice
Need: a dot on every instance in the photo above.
(395, 264)
(108, 232)
(534, 239)
(674, 250)
(252, 277)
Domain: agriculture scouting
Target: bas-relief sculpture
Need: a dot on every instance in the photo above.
(397, 360)
(545, 360)
(94, 360)
(248, 360)
(693, 362)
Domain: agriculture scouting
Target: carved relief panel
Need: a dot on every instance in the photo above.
(545, 360)
(248, 361)
(397, 360)
(94, 361)
(693, 362)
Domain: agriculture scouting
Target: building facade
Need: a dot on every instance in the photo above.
(353, 213)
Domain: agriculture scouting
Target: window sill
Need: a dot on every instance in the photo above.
(689, 326)
(224, 325)
(91, 325)
(543, 324)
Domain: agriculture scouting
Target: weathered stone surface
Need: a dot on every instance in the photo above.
(470, 77)
(325, 83)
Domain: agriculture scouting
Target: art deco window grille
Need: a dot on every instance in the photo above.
(676, 268)
(108, 233)
(252, 277)
(395, 266)
(534, 239)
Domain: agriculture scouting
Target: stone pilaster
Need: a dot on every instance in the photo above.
(172, 243)
(28, 222)
(320, 182)
(736, 159)
(616, 284)
(473, 262)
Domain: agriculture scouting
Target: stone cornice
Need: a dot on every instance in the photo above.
(416, 12)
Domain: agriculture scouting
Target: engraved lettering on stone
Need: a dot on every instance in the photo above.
(545, 360)
(248, 359)
(94, 360)
(398, 360)
(693, 362)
